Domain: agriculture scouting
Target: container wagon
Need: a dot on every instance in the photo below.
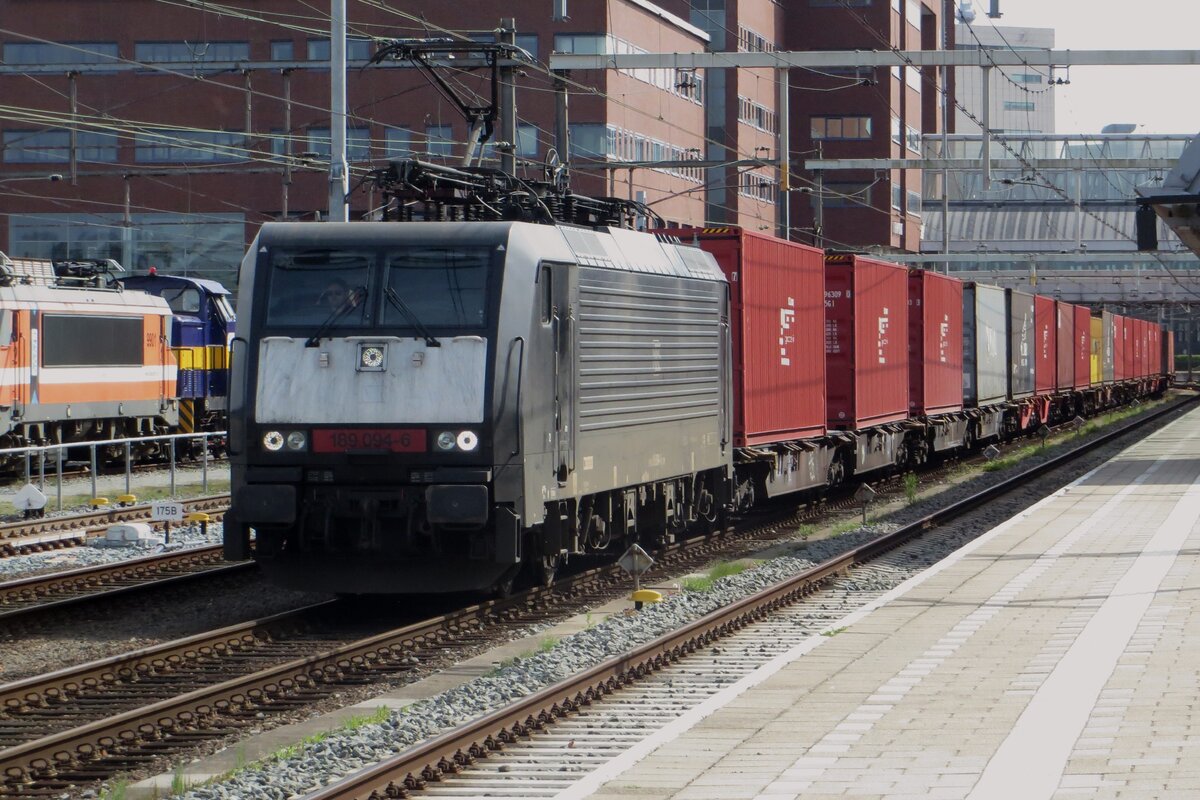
(935, 393)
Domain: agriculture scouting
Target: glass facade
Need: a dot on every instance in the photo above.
(841, 127)
(169, 146)
(358, 143)
(199, 245)
(356, 49)
(439, 140)
(187, 52)
(68, 53)
(54, 147)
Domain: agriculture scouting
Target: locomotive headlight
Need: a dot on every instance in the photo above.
(273, 441)
(296, 440)
(467, 441)
(445, 440)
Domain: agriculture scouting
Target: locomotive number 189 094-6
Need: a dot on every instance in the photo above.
(395, 440)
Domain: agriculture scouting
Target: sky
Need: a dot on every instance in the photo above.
(1158, 99)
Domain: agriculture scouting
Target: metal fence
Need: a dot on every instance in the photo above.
(57, 455)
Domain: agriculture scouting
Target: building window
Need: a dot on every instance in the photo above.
(687, 84)
(526, 41)
(841, 127)
(897, 196)
(912, 13)
(281, 142)
(358, 143)
(188, 52)
(750, 41)
(912, 77)
(527, 143)
(758, 187)
(54, 147)
(1027, 77)
(846, 195)
(757, 115)
(69, 53)
(400, 143)
(1018, 105)
(527, 140)
(356, 49)
(439, 140)
(588, 140)
(283, 50)
(914, 202)
(897, 138)
(174, 146)
(585, 44)
(912, 138)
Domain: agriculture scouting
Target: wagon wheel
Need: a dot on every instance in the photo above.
(837, 472)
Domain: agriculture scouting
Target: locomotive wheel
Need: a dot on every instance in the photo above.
(545, 569)
(503, 587)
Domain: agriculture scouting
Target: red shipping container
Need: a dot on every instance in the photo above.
(1064, 350)
(866, 341)
(1169, 354)
(935, 343)
(1120, 366)
(1045, 345)
(1139, 348)
(1083, 347)
(1130, 340)
(776, 298)
(1156, 350)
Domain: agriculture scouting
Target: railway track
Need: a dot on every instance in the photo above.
(127, 713)
(525, 749)
(20, 599)
(52, 533)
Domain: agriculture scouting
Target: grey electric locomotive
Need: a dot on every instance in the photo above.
(429, 406)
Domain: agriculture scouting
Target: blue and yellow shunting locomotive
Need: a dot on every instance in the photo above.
(202, 327)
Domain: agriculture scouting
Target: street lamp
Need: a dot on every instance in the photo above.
(53, 177)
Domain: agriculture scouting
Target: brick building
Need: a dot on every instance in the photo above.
(863, 113)
(164, 134)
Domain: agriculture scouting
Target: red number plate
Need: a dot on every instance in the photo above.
(396, 440)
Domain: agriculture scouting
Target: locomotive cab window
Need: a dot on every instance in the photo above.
(7, 326)
(316, 287)
(183, 300)
(436, 287)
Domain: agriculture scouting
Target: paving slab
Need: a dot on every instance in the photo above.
(1057, 656)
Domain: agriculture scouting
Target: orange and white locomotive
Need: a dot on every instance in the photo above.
(81, 358)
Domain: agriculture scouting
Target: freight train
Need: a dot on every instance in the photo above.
(452, 405)
(88, 356)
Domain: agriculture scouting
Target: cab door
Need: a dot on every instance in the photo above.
(14, 389)
(564, 291)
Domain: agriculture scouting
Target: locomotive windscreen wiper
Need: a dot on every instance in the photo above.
(353, 300)
(412, 318)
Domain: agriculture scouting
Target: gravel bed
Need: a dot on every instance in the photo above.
(346, 751)
(93, 554)
(120, 626)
